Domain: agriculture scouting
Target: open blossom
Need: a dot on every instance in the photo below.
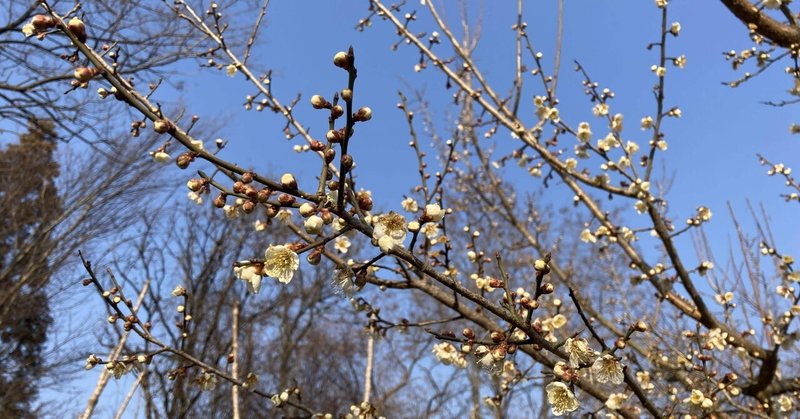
(608, 369)
(615, 400)
(587, 236)
(584, 132)
(280, 262)
(410, 204)
(390, 231)
(206, 381)
(341, 244)
(251, 273)
(161, 157)
(449, 355)
(561, 398)
(579, 352)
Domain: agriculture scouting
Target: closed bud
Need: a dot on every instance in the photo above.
(363, 114)
(330, 154)
(337, 111)
(511, 348)
(184, 160)
(42, 22)
(247, 177)
(162, 126)
(496, 283)
(620, 343)
(317, 145)
(333, 185)
(497, 336)
(272, 211)
(347, 95)
(333, 136)
(314, 258)
(238, 187)
(468, 333)
(641, 326)
(307, 209)
(83, 74)
(347, 162)
(326, 215)
(319, 102)
(77, 27)
(547, 288)
(248, 206)
(263, 194)
(250, 191)
(286, 200)
(364, 201)
(87, 282)
(195, 185)
(340, 60)
(288, 181)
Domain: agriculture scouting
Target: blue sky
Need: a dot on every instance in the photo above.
(711, 148)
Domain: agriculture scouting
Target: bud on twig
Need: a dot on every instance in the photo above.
(77, 27)
(340, 60)
(363, 114)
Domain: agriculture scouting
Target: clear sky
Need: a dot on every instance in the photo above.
(712, 147)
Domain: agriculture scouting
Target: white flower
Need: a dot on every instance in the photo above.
(675, 28)
(28, 30)
(231, 211)
(260, 225)
(91, 361)
(194, 197)
(608, 369)
(647, 123)
(231, 70)
(430, 230)
(615, 401)
(410, 205)
(584, 132)
(341, 244)
(280, 262)
(161, 157)
(601, 109)
(251, 273)
(179, 291)
(206, 381)
(561, 398)
(579, 352)
(390, 230)
(785, 402)
(587, 236)
(449, 355)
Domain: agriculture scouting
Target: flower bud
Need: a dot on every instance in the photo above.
(468, 333)
(286, 200)
(314, 258)
(83, 74)
(195, 185)
(347, 162)
(263, 194)
(184, 160)
(247, 177)
(497, 336)
(433, 213)
(547, 288)
(288, 181)
(340, 60)
(272, 211)
(333, 136)
(317, 145)
(77, 27)
(640, 326)
(248, 207)
(347, 95)
(326, 215)
(162, 126)
(238, 187)
(314, 224)
(337, 111)
(219, 201)
(251, 191)
(364, 200)
(43, 22)
(330, 154)
(319, 102)
(363, 114)
(307, 209)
